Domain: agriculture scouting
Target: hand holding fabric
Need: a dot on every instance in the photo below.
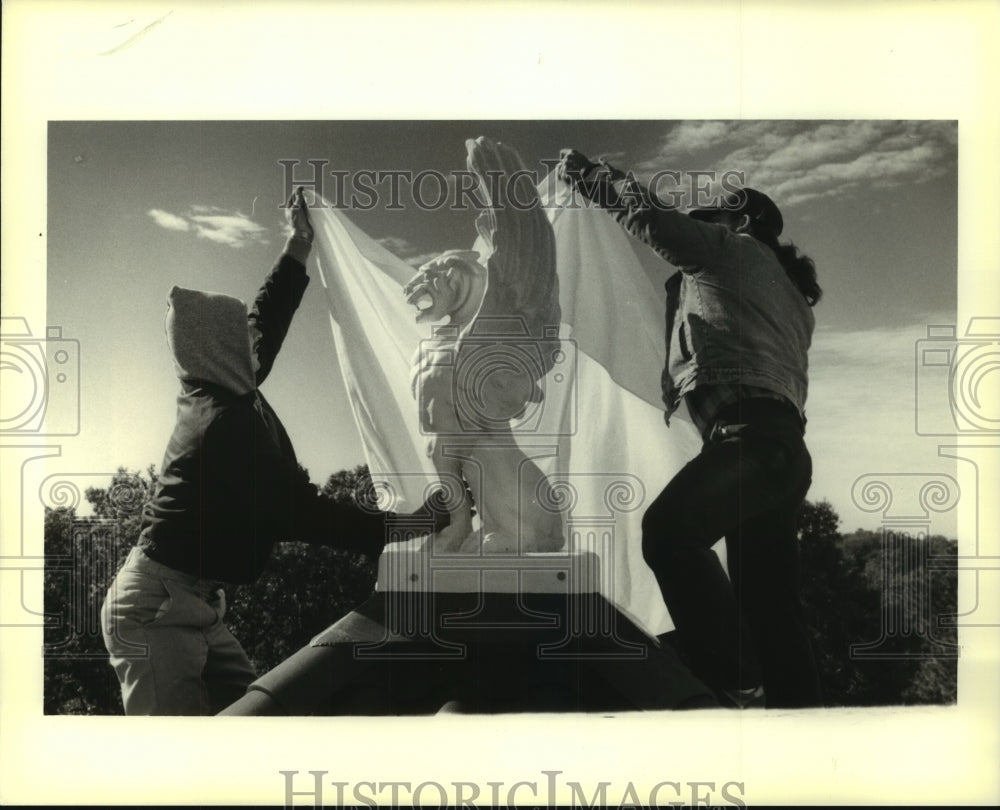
(574, 166)
(593, 180)
(297, 214)
(436, 506)
(435, 509)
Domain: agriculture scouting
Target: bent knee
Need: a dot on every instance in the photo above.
(668, 532)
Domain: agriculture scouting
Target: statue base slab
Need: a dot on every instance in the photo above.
(533, 635)
(414, 570)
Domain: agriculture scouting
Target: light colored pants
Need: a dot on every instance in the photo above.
(169, 647)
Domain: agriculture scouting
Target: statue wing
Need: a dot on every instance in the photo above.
(520, 254)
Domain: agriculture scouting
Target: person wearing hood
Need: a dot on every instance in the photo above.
(230, 487)
(739, 323)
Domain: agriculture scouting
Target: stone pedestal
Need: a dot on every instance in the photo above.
(466, 633)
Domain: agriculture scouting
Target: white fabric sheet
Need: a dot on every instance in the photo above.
(599, 435)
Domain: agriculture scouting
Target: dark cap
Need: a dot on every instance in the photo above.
(761, 209)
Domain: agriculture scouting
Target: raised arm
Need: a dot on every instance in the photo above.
(681, 240)
(282, 290)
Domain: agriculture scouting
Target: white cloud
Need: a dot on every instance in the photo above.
(798, 161)
(218, 225)
(691, 136)
(862, 410)
(171, 222)
(233, 229)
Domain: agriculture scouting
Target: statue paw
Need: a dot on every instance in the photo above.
(499, 543)
(555, 542)
(472, 544)
(452, 539)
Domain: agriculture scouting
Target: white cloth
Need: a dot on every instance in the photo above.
(601, 423)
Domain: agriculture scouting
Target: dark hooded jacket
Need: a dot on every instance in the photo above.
(230, 486)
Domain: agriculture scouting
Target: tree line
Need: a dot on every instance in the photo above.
(878, 605)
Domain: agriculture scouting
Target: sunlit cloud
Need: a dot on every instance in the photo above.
(862, 409)
(218, 225)
(862, 371)
(692, 136)
(226, 227)
(798, 161)
(171, 222)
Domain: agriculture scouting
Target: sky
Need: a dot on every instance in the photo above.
(136, 207)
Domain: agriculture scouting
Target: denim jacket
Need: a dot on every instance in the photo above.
(732, 313)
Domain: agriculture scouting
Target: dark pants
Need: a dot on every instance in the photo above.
(746, 485)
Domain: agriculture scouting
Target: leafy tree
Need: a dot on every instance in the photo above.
(851, 584)
(821, 572)
(82, 556)
(848, 583)
(303, 589)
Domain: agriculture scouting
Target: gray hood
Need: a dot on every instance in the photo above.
(209, 339)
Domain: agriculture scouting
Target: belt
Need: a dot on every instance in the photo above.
(758, 411)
